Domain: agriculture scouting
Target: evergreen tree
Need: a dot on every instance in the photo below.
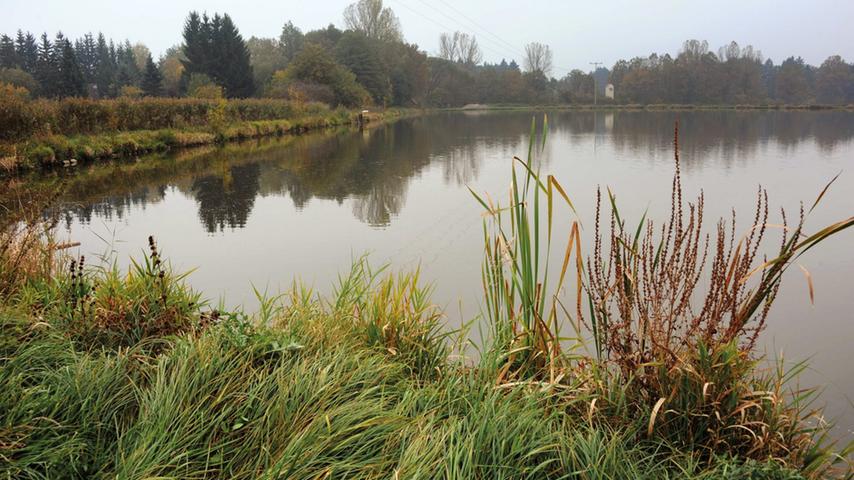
(214, 47)
(195, 45)
(8, 55)
(27, 50)
(71, 82)
(105, 68)
(237, 71)
(127, 72)
(152, 79)
(87, 56)
(45, 72)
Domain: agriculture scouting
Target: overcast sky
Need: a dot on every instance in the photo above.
(579, 32)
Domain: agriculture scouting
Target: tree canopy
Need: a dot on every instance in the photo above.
(214, 47)
(372, 19)
(368, 62)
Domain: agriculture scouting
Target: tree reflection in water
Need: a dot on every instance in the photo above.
(373, 168)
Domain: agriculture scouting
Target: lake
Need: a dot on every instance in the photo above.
(266, 213)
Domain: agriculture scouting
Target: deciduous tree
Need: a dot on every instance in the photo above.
(374, 20)
(538, 59)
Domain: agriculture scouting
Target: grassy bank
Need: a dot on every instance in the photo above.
(44, 133)
(112, 374)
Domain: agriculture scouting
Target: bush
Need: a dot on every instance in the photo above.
(18, 78)
(314, 66)
(17, 116)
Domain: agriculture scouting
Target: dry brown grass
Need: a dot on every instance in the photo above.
(27, 248)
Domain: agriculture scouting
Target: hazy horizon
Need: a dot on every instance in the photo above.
(578, 33)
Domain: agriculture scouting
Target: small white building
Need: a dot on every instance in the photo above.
(609, 91)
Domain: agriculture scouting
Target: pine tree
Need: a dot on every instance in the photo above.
(214, 47)
(45, 70)
(127, 72)
(152, 79)
(71, 83)
(87, 56)
(195, 45)
(105, 68)
(8, 55)
(237, 78)
(27, 50)
(291, 41)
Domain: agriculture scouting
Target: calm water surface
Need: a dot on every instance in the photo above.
(267, 213)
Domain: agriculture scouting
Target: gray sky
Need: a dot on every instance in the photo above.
(578, 32)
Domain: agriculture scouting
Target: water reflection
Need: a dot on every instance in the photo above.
(374, 167)
(227, 198)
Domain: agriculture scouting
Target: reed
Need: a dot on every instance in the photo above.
(521, 305)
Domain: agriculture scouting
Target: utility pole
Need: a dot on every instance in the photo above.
(595, 90)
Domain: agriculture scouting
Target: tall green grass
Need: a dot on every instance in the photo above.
(521, 304)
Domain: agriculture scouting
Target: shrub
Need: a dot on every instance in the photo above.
(17, 116)
(316, 66)
(18, 78)
(209, 92)
(217, 118)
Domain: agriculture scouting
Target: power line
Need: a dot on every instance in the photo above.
(494, 47)
(445, 27)
(452, 19)
(483, 29)
(489, 32)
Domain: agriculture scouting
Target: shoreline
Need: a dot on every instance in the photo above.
(53, 151)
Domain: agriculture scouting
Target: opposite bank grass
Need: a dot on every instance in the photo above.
(111, 374)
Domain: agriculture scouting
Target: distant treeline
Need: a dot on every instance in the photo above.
(369, 63)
